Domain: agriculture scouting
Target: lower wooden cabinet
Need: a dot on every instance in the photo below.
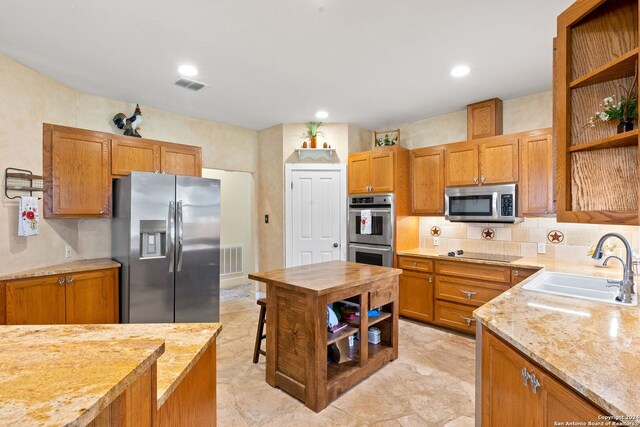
(82, 298)
(518, 392)
(455, 316)
(416, 295)
(520, 274)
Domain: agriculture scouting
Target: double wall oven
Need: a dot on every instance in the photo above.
(374, 244)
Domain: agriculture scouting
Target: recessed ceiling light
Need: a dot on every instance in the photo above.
(188, 70)
(460, 71)
(322, 114)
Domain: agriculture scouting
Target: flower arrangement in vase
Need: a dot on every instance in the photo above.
(623, 108)
(607, 251)
(312, 133)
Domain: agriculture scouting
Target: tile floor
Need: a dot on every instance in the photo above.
(430, 384)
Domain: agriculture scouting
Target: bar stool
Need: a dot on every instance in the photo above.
(260, 335)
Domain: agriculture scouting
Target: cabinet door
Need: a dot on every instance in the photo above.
(181, 160)
(536, 181)
(561, 403)
(129, 156)
(506, 400)
(499, 161)
(416, 295)
(92, 297)
(77, 173)
(462, 164)
(484, 119)
(359, 165)
(38, 301)
(427, 181)
(520, 274)
(381, 176)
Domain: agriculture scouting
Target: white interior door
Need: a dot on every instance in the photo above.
(316, 219)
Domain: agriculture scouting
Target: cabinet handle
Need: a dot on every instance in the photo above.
(102, 212)
(525, 377)
(534, 383)
(61, 281)
(430, 279)
(468, 320)
(414, 263)
(69, 280)
(516, 273)
(475, 179)
(469, 294)
(156, 171)
(439, 211)
(482, 179)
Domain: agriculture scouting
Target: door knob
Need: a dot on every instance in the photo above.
(335, 245)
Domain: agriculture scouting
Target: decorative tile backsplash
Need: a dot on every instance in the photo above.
(563, 241)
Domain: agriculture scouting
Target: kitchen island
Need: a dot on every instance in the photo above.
(297, 337)
(154, 374)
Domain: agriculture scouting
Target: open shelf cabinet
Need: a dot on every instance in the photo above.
(595, 55)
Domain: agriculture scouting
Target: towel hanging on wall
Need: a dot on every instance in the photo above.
(28, 216)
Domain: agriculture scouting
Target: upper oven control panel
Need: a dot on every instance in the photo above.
(370, 200)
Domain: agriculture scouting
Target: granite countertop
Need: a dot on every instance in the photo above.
(325, 277)
(69, 267)
(61, 374)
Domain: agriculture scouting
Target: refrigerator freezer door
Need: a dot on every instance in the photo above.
(151, 279)
(197, 250)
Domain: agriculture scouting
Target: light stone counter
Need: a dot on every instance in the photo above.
(593, 347)
(68, 267)
(66, 374)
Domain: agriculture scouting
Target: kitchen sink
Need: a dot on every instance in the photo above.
(572, 285)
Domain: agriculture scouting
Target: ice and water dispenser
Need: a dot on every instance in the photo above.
(153, 238)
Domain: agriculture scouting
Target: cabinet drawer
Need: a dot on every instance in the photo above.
(417, 264)
(519, 274)
(474, 271)
(455, 316)
(464, 291)
(382, 296)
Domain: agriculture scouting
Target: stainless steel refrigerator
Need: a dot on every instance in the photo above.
(166, 234)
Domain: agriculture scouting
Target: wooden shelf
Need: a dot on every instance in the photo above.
(622, 66)
(626, 139)
(343, 333)
(337, 371)
(372, 320)
(23, 176)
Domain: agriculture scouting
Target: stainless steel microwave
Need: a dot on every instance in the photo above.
(487, 203)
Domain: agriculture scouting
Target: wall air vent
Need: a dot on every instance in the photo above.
(190, 84)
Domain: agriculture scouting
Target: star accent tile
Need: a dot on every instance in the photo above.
(435, 231)
(488, 233)
(555, 236)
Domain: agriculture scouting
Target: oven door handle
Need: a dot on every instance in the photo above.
(370, 248)
(373, 210)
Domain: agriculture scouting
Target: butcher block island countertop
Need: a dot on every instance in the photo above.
(81, 374)
(297, 338)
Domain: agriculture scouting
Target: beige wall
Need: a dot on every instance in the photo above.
(519, 114)
(236, 219)
(28, 99)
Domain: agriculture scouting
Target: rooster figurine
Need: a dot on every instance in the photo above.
(131, 124)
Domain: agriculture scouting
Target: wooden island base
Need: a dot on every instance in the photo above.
(297, 337)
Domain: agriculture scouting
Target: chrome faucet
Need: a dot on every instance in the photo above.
(626, 284)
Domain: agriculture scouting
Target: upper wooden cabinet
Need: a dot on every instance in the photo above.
(518, 392)
(77, 173)
(488, 161)
(596, 55)
(81, 297)
(484, 119)
(427, 181)
(79, 164)
(128, 156)
(181, 160)
(536, 174)
(373, 171)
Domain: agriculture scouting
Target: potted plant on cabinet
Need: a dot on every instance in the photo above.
(313, 132)
(624, 110)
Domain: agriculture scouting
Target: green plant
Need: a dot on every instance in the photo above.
(313, 131)
(625, 109)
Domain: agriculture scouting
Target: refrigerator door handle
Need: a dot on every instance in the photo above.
(171, 240)
(180, 240)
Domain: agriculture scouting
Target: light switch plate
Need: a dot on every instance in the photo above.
(436, 241)
(67, 251)
(542, 248)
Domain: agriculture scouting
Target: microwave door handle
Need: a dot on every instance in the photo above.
(494, 202)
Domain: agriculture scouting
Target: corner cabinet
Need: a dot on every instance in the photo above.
(517, 392)
(76, 169)
(79, 166)
(596, 55)
(427, 181)
(372, 171)
(89, 297)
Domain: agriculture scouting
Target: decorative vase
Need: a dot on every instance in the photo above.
(325, 145)
(625, 125)
(312, 142)
(304, 144)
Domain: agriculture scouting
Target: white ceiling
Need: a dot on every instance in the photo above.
(375, 63)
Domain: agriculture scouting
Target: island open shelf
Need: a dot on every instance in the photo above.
(297, 337)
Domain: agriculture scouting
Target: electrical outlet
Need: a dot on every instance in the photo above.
(67, 251)
(436, 241)
(542, 248)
